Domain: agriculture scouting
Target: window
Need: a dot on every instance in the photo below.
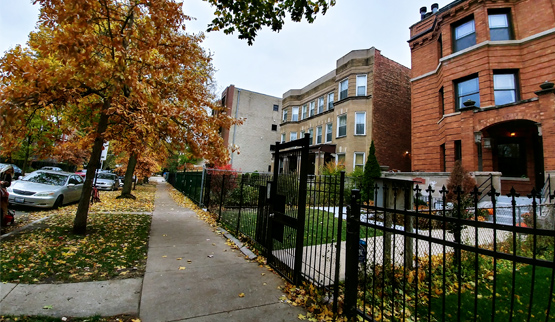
(458, 150)
(359, 161)
(282, 137)
(311, 135)
(295, 114)
(319, 135)
(304, 112)
(274, 127)
(360, 123)
(504, 88)
(340, 159)
(284, 115)
(342, 125)
(321, 105)
(343, 87)
(440, 46)
(276, 107)
(442, 157)
(361, 85)
(292, 136)
(499, 27)
(467, 89)
(330, 101)
(312, 108)
(464, 35)
(441, 99)
(329, 127)
(302, 135)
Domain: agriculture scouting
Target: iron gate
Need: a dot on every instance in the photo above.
(288, 207)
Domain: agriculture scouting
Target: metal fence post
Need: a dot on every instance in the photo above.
(352, 253)
(201, 201)
(221, 198)
(339, 238)
(243, 176)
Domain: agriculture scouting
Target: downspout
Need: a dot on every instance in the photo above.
(235, 126)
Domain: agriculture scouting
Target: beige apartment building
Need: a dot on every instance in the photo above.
(261, 118)
(367, 97)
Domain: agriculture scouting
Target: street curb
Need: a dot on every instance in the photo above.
(244, 249)
(23, 228)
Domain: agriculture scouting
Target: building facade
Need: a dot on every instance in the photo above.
(367, 97)
(260, 128)
(480, 92)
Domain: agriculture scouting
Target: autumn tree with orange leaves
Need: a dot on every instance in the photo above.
(115, 70)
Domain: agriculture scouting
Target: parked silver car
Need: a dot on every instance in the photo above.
(107, 181)
(46, 189)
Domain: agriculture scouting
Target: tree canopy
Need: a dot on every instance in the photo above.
(115, 70)
(248, 17)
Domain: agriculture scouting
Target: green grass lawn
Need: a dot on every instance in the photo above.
(320, 226)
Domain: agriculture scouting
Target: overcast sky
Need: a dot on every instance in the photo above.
(276, 62)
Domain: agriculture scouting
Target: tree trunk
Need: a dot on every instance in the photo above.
(128, 180)
(26, 163)
(80, 222)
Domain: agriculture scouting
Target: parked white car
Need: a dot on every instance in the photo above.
(46, 189)
(107, 181)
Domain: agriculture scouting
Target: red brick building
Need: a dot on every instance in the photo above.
(477, 67)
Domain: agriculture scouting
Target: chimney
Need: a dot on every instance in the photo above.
(435, 6)
(423, 13)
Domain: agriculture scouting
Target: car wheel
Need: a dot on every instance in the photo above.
(58, 202)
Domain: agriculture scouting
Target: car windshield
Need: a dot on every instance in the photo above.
(106, 176)
(53, 179)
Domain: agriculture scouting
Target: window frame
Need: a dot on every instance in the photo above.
(339, 117)
(364, 84)
(291, 136)
(516, 89)
(338, 156)
(320, 104)
(295, 116)
(311, 108)
(330, 101)
(355, 160)
(459, 105)
(343, 94)
(356, 124)
(276, 108)
(330, 127)
(304, 112)
(457, 46)
(284, 115)
(274, 127)
(311, 136)
(509, 28)
(283, 136)
(319, 134)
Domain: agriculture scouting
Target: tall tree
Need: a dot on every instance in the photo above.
(106, 63)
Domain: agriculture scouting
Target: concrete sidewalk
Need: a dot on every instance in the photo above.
(191, 275)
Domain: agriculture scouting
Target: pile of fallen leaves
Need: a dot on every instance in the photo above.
(183, 201)
(314, 300)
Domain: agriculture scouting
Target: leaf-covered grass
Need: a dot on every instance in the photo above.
(109, 203)
(115, 245)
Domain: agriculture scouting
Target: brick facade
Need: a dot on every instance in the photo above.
(386, 102)
(520, 130)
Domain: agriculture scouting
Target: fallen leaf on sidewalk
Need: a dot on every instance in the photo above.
(241, 294)
(47, 307)
(136, 320)
(164, 256)
(263, 274)
(164, 235)
(179, 258)
(301, 317)
(189, 261)
(210, 256)
(181, 268)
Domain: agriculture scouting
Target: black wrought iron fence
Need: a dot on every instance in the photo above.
(404, 263)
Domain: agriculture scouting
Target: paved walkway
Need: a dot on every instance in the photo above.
(191, 275)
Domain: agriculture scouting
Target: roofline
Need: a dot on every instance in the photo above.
(443, 9)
